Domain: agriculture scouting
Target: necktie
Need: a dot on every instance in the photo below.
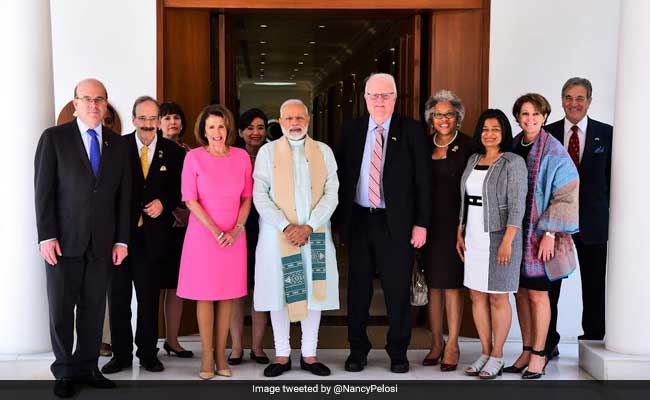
(574, 146)
(144, 162)
(94, 151)
(374, 190)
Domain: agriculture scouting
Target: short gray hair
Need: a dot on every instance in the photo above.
(293, 102)
(380, 75)
(445, 96)
(576, 81)
(144, 99)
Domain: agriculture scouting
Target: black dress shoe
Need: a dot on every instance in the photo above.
(399, 367)
(97, 380)
(235, 360)
(63, 388)
(277, 369)
(152, 364)
(590, 337)
(355, 363)
(260, 359)
(115, 365)
(180, 354)
(316, 368)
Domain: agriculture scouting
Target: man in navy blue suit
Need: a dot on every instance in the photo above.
(589, 143)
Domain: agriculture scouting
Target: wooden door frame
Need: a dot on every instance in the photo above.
(422, 5)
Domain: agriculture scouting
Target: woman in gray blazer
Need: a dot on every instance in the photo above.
(493, 201)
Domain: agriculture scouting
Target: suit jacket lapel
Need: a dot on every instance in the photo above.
(157, 159)
(81, 148)
(591, 141)
(392, 139)
(135, 156)
(359, 144)
(106, 142)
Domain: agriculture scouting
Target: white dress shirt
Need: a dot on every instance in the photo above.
(85, 136)
(151, 148)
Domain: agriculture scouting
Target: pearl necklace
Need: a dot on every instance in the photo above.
(446, 145)
(524, 144)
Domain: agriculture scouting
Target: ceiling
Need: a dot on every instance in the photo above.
(304, 48)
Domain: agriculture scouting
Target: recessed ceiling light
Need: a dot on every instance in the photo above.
(392, 49)
(305, 54)
(262, 41)
(375, 60)
(262, 54)
(263, 26)
(262, 62)
(321, 26)
(296, 69)
(275, 83)
(312, 42)
(261, 69)
(300, 63)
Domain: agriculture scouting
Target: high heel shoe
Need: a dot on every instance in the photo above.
(433, 361)
(225, 372)
(492, 368)
(477, 366)
(513, 369)
(180, 354)
(206, 375)
(536, 375)
(444, 367)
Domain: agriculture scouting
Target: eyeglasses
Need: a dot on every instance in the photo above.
(146, 119)
(88, 99)
(375, 96)
(298, 118)
(448, 115)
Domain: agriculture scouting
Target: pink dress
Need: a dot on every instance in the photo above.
(209, 271)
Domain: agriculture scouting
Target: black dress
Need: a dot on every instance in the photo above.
(443, 267)
(252, 232)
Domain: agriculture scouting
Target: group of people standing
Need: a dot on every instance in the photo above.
(492, 213)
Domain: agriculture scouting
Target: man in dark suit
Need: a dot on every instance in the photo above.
(589, 143)
(384, 206)
(156, 165)
(82, 191)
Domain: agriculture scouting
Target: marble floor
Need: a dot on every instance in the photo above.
(565, 367)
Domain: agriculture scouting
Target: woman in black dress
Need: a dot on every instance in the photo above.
(252, 131)
(172, 127)
(443, 268)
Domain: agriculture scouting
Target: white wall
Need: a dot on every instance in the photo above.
(535, 47)
(113, 41)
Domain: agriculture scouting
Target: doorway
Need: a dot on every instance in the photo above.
(258, 57)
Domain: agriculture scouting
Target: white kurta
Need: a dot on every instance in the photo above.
(269, 286)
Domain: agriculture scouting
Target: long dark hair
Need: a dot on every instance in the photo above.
(506, 130)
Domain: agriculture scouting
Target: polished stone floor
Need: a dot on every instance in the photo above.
(565, 367)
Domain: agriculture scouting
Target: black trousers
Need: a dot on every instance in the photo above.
(79, 282)
(593, 262)
(372, 249)
(143, 272)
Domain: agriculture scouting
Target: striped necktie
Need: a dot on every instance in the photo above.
(374, 187)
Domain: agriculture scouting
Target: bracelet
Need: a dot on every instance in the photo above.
(552, 235)
(240, 226)
(220, 236)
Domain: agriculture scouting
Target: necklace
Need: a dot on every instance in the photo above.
(446, 145)
(524, 144)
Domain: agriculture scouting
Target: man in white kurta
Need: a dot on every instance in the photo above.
(269, 294)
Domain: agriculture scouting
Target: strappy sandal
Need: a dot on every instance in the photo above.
(477, 366)
(492, 369)
(517, 370)
(536, 375)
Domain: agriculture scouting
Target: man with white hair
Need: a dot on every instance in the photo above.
(385, 172)
(296, 193)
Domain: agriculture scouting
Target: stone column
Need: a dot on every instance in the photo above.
(27, 104)
(626, 351)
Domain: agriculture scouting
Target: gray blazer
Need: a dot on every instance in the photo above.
(504, 191)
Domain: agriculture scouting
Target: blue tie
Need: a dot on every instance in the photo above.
(94, 151)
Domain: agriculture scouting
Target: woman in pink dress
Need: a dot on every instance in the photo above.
(217, 188)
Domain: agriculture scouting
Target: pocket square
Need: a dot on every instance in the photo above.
(599, 150)
(163, 168)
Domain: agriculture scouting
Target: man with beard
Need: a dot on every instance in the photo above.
(295, 193)
(156, 165)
